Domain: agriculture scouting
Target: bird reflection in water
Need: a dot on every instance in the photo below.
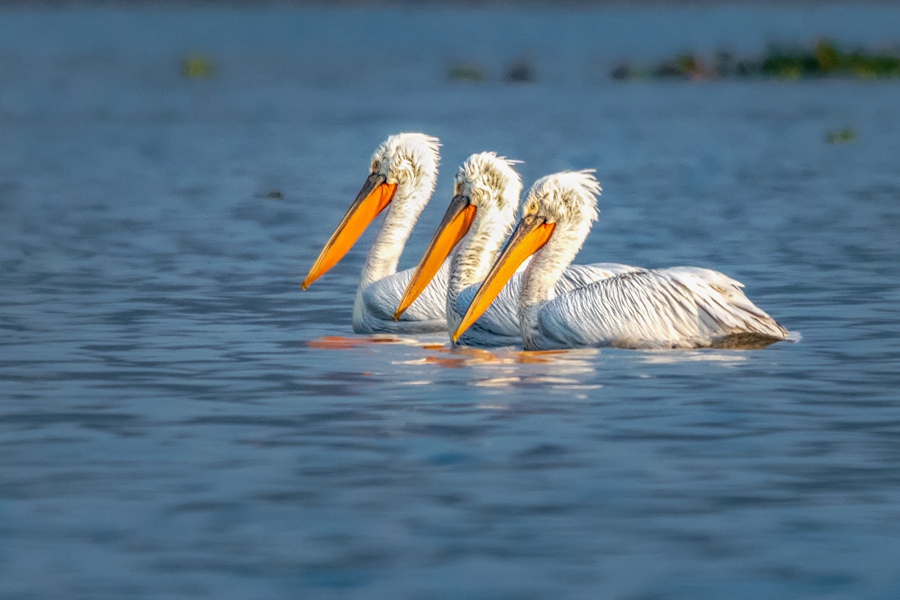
(495, 367)
(338, 342)
(508, 367)
(662, 357)
(573, 370)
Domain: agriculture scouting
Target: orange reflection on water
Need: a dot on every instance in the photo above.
(495, 367)
(462, 356)
(337, 342)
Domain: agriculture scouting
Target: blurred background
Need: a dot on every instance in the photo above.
(178, 419)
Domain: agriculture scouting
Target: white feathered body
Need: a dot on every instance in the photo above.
(679, 307)
(373, 311)
(410, 161)
(499, 325)
(494, 187)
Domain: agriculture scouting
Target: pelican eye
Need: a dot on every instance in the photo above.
(376, 166)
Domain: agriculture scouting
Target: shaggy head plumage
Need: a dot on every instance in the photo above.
(488, 179)
(566, 197)
(408, 159)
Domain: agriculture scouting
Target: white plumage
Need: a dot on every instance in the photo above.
(680, 307)
(403, 175)
(478, 221)
(373, 310)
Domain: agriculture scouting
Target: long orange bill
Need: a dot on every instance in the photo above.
(454, 226)
(374, 196)
(529, 236)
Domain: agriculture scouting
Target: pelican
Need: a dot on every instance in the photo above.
(679, 307)
(477, 222)
(402, 178)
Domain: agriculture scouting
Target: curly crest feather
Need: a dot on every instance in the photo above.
(407, 159)
(486, 176)
(565, 197)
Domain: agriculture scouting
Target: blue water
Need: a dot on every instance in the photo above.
(175, 420)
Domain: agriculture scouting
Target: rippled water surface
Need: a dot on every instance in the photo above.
(178, 419)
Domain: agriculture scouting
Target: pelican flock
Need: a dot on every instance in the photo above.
(403, 174)
(479, 219)
(502, 288)
(679, 307)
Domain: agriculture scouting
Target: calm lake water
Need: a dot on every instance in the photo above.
(175, 420)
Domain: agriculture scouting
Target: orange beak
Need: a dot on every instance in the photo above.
(454, 226)
(529, 236)
(373, 198)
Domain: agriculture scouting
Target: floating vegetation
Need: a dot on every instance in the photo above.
(840, 136)
(521, 71)
(824, 60)
(196, 66)
(467, 72)
(274, 195)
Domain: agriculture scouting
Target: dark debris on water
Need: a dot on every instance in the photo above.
(824, 60)
(521, 71)
(841, 136)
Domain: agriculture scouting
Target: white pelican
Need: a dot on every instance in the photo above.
(477, 222)
(680, 307)
(404, 171)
